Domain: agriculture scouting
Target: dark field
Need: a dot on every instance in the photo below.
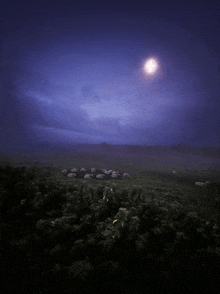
(41, 243)
(148, 167)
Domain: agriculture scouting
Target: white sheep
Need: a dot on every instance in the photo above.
(71, 175)
(201, 184)
(174, 172)
(100, 176)
(87, 176)
(64, 171)
(115, 172)
(126, 175)
(107, 172)
(93, 170)
(82, 169)
(74, 169)
(114, 176)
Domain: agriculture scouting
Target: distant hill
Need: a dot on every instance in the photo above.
(156, 151)
(150, 150)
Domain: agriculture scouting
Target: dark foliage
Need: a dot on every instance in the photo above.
(79, 239)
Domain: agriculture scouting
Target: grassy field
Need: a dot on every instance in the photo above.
(152, 171)
(57, 234)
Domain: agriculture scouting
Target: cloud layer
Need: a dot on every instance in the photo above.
(71, 79)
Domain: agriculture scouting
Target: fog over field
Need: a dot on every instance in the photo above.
(161, 158)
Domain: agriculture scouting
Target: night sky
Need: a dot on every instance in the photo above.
(75, 73)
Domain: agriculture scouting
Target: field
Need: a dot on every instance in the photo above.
(155, 232)
(152, 170)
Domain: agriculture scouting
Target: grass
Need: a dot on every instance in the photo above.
(171, 191)
(153, 172)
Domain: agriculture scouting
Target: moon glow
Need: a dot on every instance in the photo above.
(151, 66)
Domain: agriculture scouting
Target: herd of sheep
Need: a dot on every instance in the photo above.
(105, 174)
(94, 173)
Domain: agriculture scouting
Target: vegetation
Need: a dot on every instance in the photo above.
(102, 238)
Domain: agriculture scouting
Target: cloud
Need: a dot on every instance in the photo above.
(81, 79)
(89, 91)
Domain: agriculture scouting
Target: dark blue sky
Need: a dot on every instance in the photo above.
(74, 73)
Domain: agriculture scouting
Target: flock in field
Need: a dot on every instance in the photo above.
(94, 173)
(104, 174)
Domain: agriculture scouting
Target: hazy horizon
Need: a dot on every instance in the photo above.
(121, 148)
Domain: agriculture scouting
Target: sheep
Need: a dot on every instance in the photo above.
(114, 176)
(103, 170)
(93, 170)
(201, 184)
(71, 175)
(100, 176)
(107, 172)
(74, 169)
(126, 175)
(87, 176)
(64, 171)
(174, 172)
(82, 169)
(115, 172)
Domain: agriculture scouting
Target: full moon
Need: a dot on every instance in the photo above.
(151, 66)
